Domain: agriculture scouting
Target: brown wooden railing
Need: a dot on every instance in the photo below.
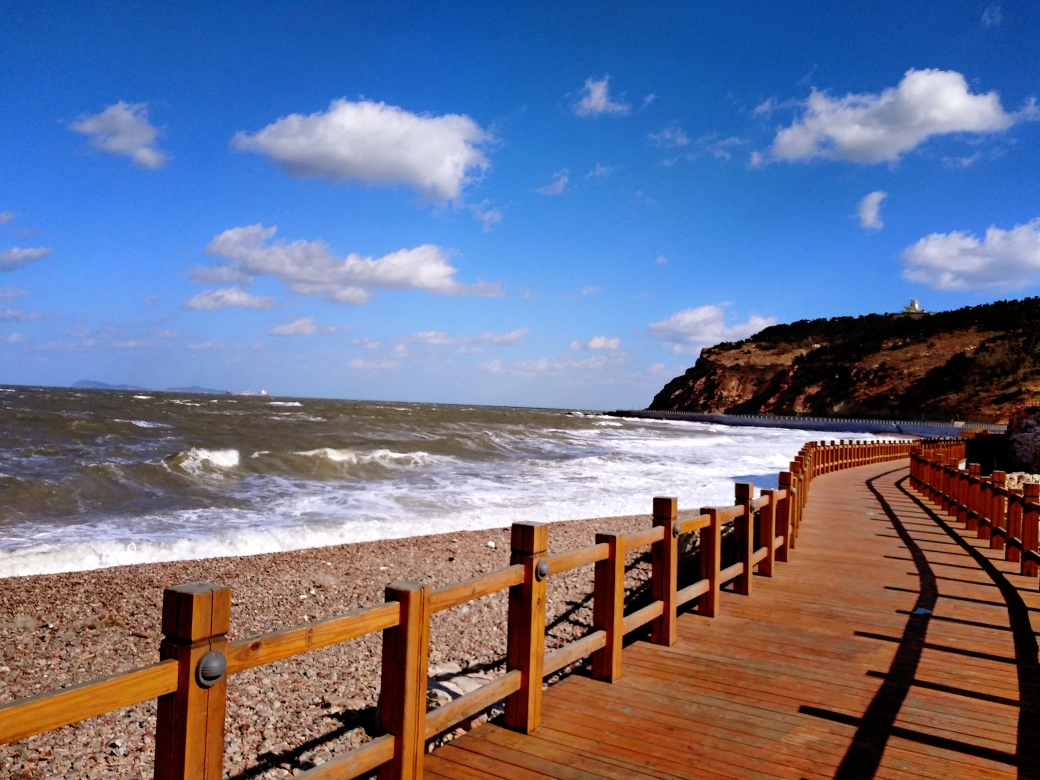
(190, 680)
(1009, 519)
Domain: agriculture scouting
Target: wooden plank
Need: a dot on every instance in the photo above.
(693, 524)
(690, 592)
(448, 715)
(637, 539)
(572, 560)
(355, 762)
(641, 617)
(278, 645)
(46, 711)
(569, 653)
(525, 649)
(450, 596)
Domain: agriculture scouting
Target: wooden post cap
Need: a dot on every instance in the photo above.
(1031, 490)
(666, 507)
(529, 538)
(744, 490)
(196, 610)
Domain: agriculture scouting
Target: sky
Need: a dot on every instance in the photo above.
(540, 204)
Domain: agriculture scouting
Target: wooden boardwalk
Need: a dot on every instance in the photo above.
(891, 645)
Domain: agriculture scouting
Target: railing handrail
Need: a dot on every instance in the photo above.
(196, 618)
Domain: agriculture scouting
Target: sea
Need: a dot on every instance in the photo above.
(97, 478)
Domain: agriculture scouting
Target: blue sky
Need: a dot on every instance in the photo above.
(545, 205)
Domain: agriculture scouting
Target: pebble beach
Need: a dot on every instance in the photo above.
(69, 628)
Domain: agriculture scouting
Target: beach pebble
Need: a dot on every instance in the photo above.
(491, 544)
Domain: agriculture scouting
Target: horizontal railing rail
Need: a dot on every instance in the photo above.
(190, 680)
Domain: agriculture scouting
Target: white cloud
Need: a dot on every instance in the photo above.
(440, 338)
(992, 16)
(687, 331)
(9, 293)
(597, 342)
(874, 128)
(15, 338)
(166, 333)
(10, 314)
(309, 268)
(301, 327)
(868, 208)
(218, 274)
(661, 260)
(6, 216)
(548, 366)
(17, 257)
(719, 148)
(600, 171)
(228, 297)
(558, 185)
(372, 365)
(648, 99)
(376, 143)
(488, 216)
(1004, 259)
(124, 129)
(670, 137)
(595, 99)
(591, 290)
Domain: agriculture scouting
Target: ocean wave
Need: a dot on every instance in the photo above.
(144, 423)
(198, 461)
(284, 403)
(144, 397)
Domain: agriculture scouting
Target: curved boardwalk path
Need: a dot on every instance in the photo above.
(825, 671)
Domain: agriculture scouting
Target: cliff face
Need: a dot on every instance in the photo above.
(979, 363)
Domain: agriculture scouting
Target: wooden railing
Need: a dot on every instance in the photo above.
(190, 680)
(1009, 519)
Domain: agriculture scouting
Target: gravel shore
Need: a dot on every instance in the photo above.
(62, 629)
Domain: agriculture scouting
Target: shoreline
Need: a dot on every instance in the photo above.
(68, 628)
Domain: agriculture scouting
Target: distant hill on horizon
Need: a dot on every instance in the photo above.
(978, 364)
(90, 384)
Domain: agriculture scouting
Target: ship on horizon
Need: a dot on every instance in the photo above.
(261, 394)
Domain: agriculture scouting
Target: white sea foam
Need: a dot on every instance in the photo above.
(197, 460)
(284, 403)
(144, 397)
(145, 424)
(524, 472)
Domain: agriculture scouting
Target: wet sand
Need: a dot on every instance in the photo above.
(62, 629)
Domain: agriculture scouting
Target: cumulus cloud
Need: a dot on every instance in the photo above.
(600, 171)
(595, 99)
(558, 184)
(687, 331)
(1004, 259)
(310, 268)
(489, 217)
(226, 298)
(9, 293)
(124, 129)
(868, 208)
(6, 216)
(597, 342)
(375, 143)
(875, 128)
(17, 257)
(992, 16)
(301, 327)
(564, 366)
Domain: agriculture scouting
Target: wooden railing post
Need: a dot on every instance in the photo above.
(745, 533)
(998, 511)
(711, 562)
(1030, 522)
(1013, 552)
(189, 730)
(797, 500)
(526, 643)
(402, 696)
(783, 516)
(608, 606)
(664, 563)
(767, 533)
(985, 509)
(974, 479)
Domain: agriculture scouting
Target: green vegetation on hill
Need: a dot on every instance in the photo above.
(975, 363)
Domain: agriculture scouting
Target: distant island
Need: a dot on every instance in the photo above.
(979, 363)
(89, 384)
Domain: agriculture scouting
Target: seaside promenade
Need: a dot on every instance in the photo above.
(892, 644)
